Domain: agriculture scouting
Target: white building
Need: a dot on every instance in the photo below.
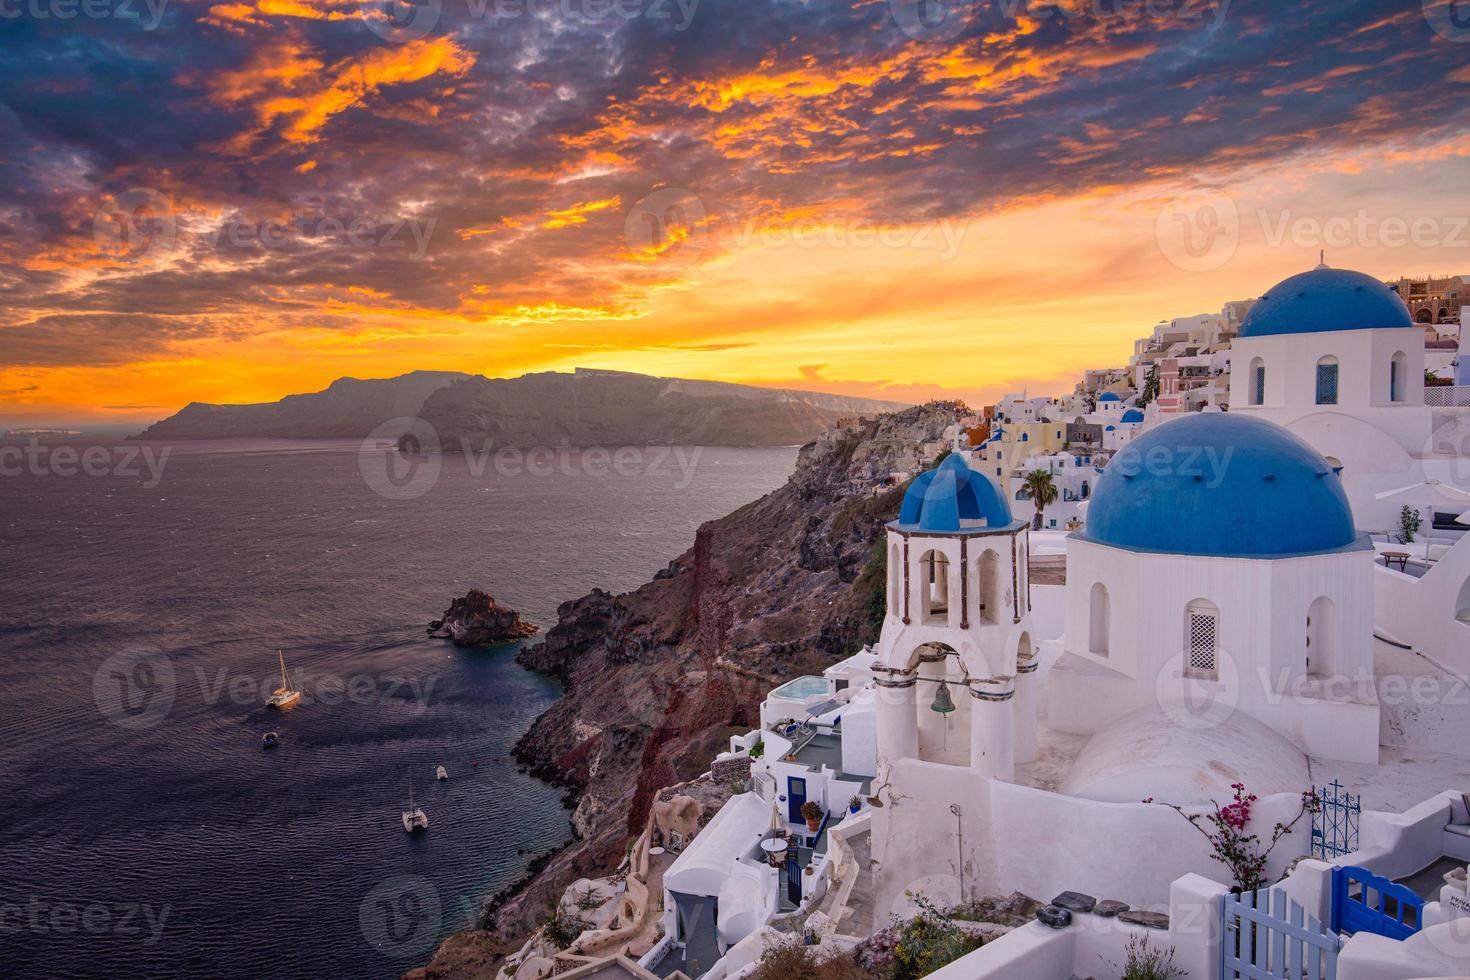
(955, 708)
(1333, 356)
(1220, 562)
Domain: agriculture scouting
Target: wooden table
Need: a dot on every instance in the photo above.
(1399, 558)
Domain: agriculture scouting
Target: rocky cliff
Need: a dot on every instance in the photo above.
(348, 409)
(613, 408)
(659, 678)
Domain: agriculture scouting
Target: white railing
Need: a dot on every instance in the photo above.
(1447, 396)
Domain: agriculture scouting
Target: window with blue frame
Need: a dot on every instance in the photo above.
(1327, 381)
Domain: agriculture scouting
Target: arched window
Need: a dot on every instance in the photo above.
(1097, 621)
(934, 588)
(1398, 375)
(990, 587)
(1327, 381)
(895, 582)
(1320, 659)
(1202, 640)
(1257, 379)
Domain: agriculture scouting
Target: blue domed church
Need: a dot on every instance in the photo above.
(1220, 571)
(1334, 356)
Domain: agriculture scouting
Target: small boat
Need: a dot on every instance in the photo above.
(414, 818)
(269, 740)
(285, 695)
(441, 774)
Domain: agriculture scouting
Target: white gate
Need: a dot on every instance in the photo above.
(1268, 936)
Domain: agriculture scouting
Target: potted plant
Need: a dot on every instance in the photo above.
(855, 804)
(812, 813)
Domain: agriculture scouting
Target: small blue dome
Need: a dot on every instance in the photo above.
(952, 492)
(1132, 415)
(1221, 485)
(1325, 300)
(1108, 396)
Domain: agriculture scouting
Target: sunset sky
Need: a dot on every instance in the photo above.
(233, 201)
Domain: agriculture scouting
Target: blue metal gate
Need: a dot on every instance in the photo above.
(1335, 824)
(1267, 936)
(1364, 902)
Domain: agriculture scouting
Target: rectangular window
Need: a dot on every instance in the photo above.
(1202, 628)
(1393, 381)
(1326, 384)
(1260, 392)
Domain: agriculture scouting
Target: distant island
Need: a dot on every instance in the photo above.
(578, 409)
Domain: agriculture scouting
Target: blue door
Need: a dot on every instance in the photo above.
(1364, 902)
(795, 797)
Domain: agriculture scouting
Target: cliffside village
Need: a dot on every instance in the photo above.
(1228, 728)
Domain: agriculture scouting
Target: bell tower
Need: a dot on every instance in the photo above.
(954, 675)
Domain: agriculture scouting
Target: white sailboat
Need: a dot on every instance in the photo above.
(414, 818)
(285, 695)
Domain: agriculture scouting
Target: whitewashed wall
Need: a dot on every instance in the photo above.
(1262, 642)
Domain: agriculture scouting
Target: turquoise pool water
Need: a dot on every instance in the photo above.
(801, 688)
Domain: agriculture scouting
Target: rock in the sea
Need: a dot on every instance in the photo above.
(1054, 916)
(478, 620)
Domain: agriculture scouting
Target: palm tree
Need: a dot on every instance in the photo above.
(1042, 490)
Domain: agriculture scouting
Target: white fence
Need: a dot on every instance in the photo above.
(1447, 396)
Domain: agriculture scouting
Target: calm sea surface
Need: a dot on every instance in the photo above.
(146, 832)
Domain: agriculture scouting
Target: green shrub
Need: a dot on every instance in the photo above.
(1147, 962)
(929, 941)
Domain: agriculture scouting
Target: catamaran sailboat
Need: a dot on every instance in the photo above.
(285, 695)
(414, 818)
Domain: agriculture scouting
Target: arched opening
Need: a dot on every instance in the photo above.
(1097, 621)
(1202, 640)
(895, 582)
(1444, 315)
(1257, 378)
(1335, 463)
(1327, 381)
(1462, 604)
(1398, 375)
(943, 720)
(1320, 623)
(990, 588)
(1424, 316)
(934, 588)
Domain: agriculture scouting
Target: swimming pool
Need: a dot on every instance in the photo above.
(801, 688)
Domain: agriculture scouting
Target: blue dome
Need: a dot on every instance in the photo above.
(1108, 396)
(1221, 485)
(1132, 415)
(951, 492)
(1325, 300)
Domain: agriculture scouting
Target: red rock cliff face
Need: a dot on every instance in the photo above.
(659, 678)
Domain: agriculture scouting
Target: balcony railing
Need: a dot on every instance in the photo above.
(1447, 396)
